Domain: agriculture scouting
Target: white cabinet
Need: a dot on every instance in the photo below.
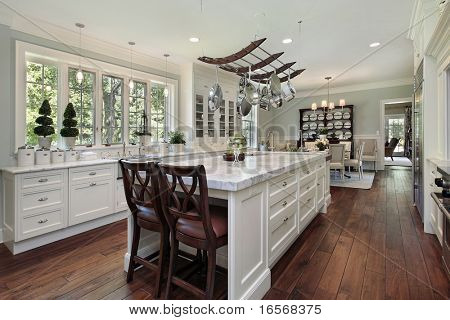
(91, 193)
(121, 200)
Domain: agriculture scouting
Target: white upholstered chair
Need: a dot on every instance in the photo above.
(337, 158)
(370, 153)
(357, 162)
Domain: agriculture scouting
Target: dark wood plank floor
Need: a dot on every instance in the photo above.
(370, 245)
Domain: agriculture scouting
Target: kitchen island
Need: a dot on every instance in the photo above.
(271, 198)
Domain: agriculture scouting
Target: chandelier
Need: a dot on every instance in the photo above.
(327, 105)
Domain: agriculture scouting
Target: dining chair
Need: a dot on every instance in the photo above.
(357, 162)
(370, 151)
(141, 184)
(337, 158)
(192, 221)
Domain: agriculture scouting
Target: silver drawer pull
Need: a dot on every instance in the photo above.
(284, 184)
(309, 200)
(43, 180)
(431, 185)
(43, 221)
(318, 184)
(433, 172)
(284, 204)
(92, 173)
(307, 172)
(307, 188)
(92, 184)
(286, 219)
(43, 199)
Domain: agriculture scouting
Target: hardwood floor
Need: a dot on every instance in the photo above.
(370, 245)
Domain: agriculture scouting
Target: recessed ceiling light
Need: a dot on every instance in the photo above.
(287, 40)
(194, 39)
(374, 44)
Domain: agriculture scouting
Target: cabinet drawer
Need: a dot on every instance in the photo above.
(92, 172)
(281, 231)
(90, 200)
(283, 193)
(307, 202)
(41, 223)
(320, 165)
(281, 184)
(307, 169)
(309, 183)
(287, 203)
(50, 178)
(38, 200)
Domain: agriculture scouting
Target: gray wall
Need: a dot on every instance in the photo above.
(285, 121)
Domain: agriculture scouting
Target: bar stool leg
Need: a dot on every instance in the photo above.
(210, 276)
(134, 249)
(172, 263)
(161, 262)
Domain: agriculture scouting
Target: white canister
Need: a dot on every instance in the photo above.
(57, 156)
(163, 148)
(43, 156)
(70, 155)
(25, 156)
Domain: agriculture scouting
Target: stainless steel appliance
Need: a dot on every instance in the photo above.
(443, 201)
(418, 161)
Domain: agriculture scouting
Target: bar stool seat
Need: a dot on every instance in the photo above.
(147, 214)
(195, 229)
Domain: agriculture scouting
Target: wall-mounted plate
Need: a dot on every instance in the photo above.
(337, 115)
(347, 135)
(329, 116)
(320, 126)
(321, 117)
(338, 125)
(346, 115)
(330, 125)
(313, 126)
(347, 124)
(305, 126)
(305, 117)
(313, 117)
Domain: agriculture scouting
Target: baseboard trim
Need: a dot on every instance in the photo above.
(1, 235)
(259, 288)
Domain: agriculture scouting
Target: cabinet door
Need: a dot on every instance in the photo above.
(320, 195)
(199, 115)
(91, 200)
(222, 120)
(121, 200)
(231, 118)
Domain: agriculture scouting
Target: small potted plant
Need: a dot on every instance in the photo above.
(44, 129)
(176, 141)
(323, 133)
(70, 131)
(322, 144)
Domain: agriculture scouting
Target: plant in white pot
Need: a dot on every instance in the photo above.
(323, 133)
(70, 131)
(176, 141)
(44, 129)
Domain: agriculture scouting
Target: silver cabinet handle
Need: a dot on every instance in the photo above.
(431, 185)
(92, 184)
(285, 219)
(92, 173)
(307, 188)
(433, 172)
(307, 172)
(43, 199)
(284, 184)
(43, 180)
(284, 204)
(43, 221)
(318, 184)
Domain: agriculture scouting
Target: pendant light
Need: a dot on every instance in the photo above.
(79, 75)
(131, 82)
(166, 89)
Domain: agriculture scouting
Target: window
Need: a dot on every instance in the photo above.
(138, 104)
(41, 84)
(158, 112)
(248, 127)
(112, 111)
(82, 98)
(395, 128)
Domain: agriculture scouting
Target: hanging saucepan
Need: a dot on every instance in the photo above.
(288, 89)
(251, 94)
(215, 96)
(243, 107)
(275, 84)
(275, 101)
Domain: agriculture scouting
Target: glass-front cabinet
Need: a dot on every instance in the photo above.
(220, 123)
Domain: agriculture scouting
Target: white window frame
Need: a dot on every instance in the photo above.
(62, 60)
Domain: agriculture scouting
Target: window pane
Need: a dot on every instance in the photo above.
(42, 83)
(158, 112)
(138, 104)
(248, 127)
(82, 98)
(112, 110)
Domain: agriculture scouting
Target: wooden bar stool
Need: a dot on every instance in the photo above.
(141, 184)
(192, 221)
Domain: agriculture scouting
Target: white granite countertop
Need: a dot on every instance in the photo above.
(224, 175)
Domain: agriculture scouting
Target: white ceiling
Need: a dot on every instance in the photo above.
(335, 34)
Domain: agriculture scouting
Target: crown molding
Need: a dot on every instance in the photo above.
(70, 39)
(357, 87)
(439, 44)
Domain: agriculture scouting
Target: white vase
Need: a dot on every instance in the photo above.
(45, 142)
(176, 148)
(322, 136)
(69, 142)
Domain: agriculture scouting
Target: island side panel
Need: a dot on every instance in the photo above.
(248, 266)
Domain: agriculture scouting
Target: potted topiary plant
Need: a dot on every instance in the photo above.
(70, 131)
(176, 141)
(44, 129)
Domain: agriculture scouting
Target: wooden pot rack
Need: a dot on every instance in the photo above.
(240, 62)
